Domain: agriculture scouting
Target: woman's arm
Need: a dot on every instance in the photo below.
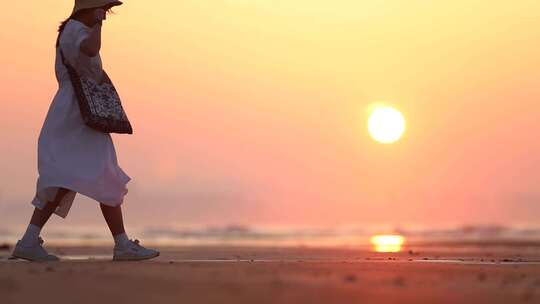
(91, 45)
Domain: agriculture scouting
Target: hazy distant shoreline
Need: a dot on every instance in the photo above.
(466, 236)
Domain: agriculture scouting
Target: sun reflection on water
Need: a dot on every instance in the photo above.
(387, 243)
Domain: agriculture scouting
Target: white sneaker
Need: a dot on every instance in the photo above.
(35, 253)
(132, 251)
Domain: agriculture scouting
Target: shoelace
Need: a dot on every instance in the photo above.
(136, 242)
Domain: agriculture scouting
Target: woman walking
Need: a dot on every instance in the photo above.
(72, 157)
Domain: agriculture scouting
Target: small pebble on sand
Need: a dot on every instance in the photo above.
(399, 281)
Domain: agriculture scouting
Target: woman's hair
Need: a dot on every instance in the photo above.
(77, 14)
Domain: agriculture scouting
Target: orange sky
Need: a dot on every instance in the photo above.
(253, 111)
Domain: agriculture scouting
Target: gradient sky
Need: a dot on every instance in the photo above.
(254, 111)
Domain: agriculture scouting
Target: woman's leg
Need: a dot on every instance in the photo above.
(124, 249)
(40, 217)
(113, 217)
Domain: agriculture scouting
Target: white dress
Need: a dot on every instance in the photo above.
(70, 154)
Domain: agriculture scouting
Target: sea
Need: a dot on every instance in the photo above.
(458, 236)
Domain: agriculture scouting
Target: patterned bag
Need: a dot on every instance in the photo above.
(100, 105)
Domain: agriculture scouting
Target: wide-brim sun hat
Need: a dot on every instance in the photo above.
(85, 4)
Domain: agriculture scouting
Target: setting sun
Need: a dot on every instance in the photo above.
(386, 124)
(387, 243)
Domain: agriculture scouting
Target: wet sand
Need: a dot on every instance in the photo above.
(218, 274)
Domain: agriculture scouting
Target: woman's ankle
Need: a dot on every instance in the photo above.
(121, 239)
(31, 235)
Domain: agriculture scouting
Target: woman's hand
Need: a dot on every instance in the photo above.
(100, 15)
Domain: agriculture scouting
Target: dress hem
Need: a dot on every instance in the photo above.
(65, 205)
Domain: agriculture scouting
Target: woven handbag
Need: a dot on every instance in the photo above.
(100, 105)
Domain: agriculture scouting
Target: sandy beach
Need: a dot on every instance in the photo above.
(222, 274)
